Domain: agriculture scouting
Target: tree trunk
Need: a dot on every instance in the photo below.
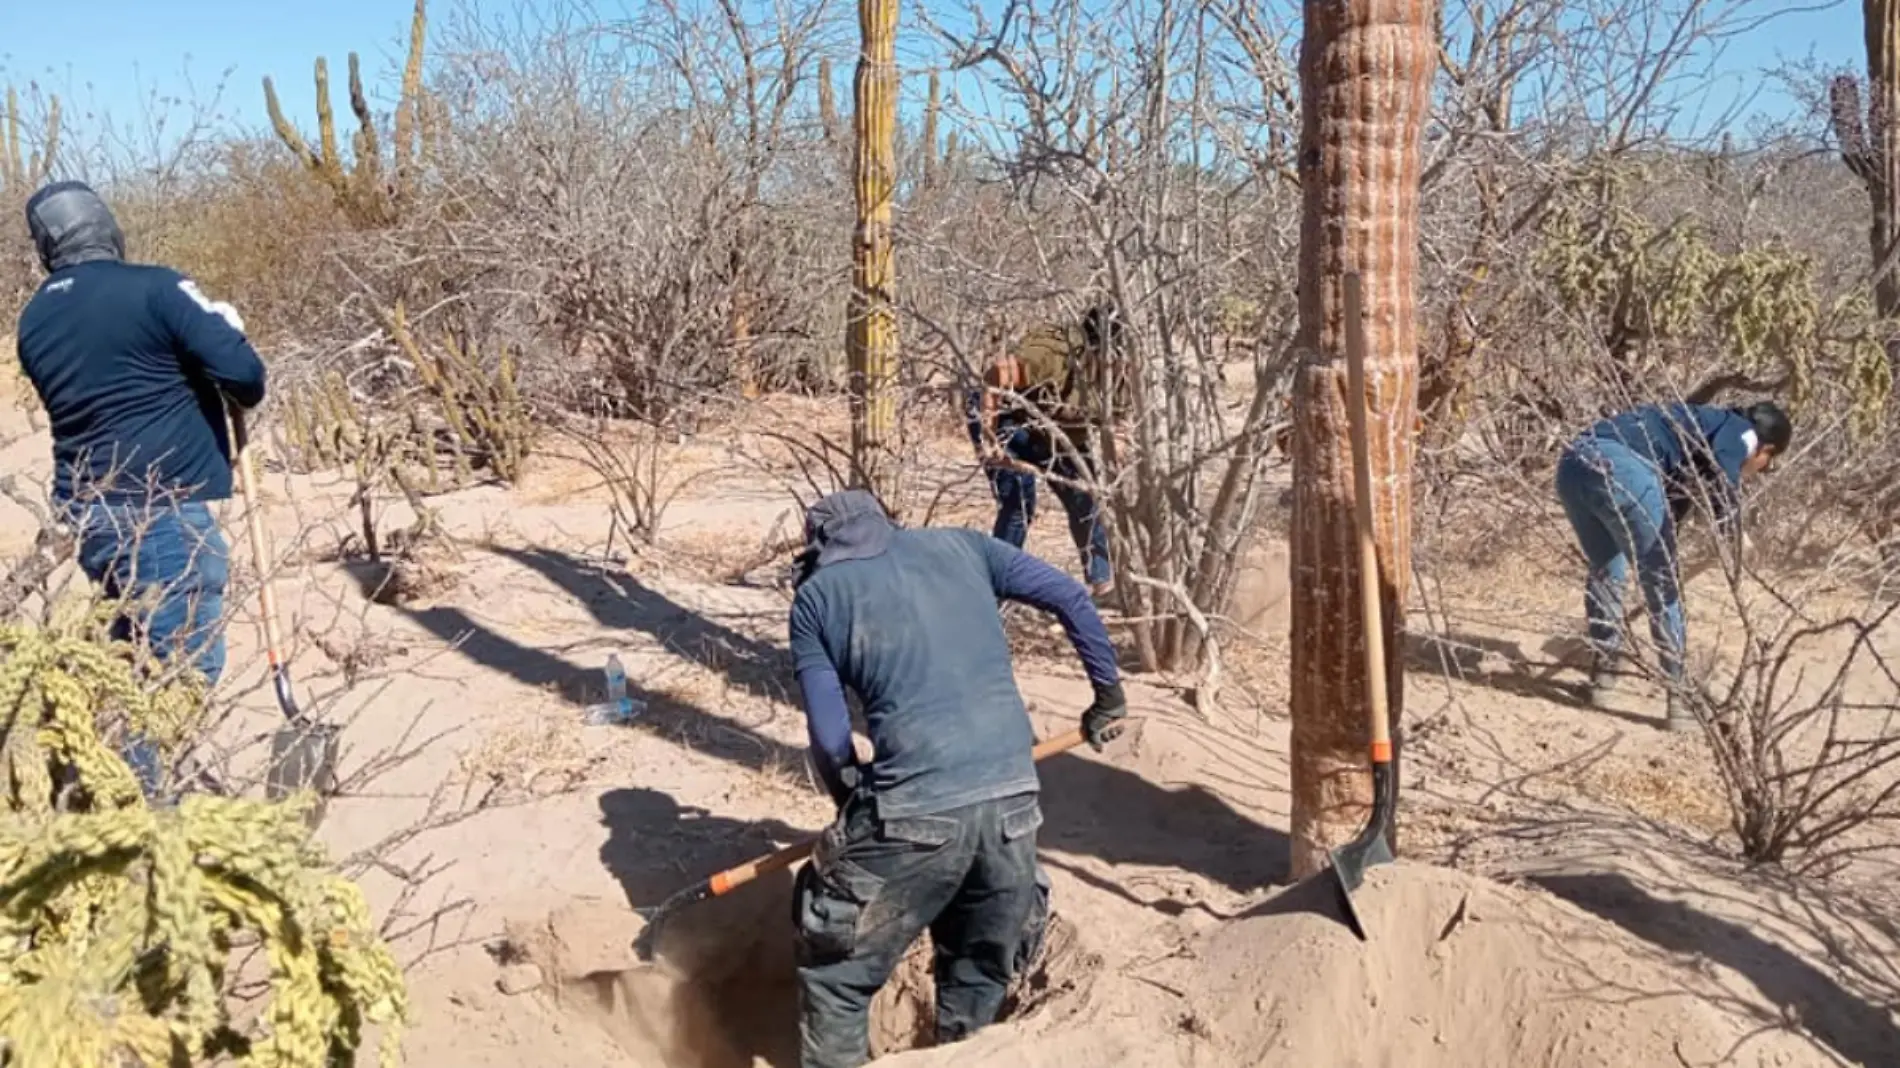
(871, 334)
(1365, 77)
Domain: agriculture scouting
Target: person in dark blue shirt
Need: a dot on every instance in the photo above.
(1626, 483)
(133, 365)
(938, 830)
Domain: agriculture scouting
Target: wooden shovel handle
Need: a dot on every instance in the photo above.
(254, 532)
(1369, 592)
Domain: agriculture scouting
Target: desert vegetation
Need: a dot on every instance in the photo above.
(676, 242)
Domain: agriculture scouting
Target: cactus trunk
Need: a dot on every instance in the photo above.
(359, 188)
(25, 167)
(932, 102)
(871, 333)
(1365, 76)
(1882, 19)
(827, 103)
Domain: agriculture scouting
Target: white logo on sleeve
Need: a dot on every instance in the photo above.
(221, 309)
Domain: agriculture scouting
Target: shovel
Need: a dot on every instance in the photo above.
(732, 878)
(1373, 846)
(303, 753)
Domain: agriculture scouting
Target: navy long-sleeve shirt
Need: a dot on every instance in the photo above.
(1690, 445)
(915, 633)
(131, 361)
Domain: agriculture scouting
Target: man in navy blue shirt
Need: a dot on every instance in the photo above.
(133, 365)
(1625, 483)
(938, 830)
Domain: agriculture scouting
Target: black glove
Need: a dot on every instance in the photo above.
(1099, 720)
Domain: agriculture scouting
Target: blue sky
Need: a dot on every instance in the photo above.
(130, 49)
(186, 48)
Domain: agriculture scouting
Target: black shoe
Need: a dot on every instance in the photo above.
(1677, 718)
(1602, 681)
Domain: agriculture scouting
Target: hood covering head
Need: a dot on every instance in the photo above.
(71, 224)
(849, 525)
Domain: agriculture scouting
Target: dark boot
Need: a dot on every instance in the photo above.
(1602, 680)
(1677, 716)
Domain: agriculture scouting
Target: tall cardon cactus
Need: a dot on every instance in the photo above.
(26, 159)
(1365, 76)
(1870, 145)
(358, 184)
(871, 331)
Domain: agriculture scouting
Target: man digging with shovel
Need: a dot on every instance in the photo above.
(938, 831)
(132, 364)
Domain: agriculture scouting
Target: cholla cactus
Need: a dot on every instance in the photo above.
(486, 417)
(117, 921)
(1760, 305)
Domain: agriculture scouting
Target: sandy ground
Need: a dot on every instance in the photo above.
(1561, 903)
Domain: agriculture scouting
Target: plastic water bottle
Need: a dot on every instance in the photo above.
(618, 708)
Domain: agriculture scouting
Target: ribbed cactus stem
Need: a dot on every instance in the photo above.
(827, 102)
(1365, 81)
(359, 188)
(23, 167)
(12, 175)
(331, 160)
(932, 101)
(412, 109)
(871, 333)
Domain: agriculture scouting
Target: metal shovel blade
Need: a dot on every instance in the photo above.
(1350, 862)
(1371, 848)
(303, 757)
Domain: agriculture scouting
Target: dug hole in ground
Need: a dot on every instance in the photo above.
(1566, 900)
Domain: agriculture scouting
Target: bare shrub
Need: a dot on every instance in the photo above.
(1803, 728)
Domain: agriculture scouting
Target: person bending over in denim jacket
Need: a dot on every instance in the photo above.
(133, 365)
(938, 830)
(1625, 483)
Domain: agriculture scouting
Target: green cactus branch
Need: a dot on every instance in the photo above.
(358, 185)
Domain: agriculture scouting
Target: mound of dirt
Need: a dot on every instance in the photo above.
(1457, 971)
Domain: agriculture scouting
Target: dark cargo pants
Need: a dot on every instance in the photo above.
(969, 876)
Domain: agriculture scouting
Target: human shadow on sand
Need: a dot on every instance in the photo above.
(620, 601)
(1475, 659)
(665, 715)
(1096, 809)
(1858, 1031)
(736, 1003)
(1091, 807)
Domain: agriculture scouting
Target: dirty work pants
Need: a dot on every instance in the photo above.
(1619, 509)
(969, 876)
(1015, 491)
(169, 565)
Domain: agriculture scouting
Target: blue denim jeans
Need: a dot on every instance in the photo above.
(170, 564)
(1619, 509)
(1015, 493)
(968, 876)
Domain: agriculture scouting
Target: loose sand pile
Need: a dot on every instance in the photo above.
(1458, 971)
